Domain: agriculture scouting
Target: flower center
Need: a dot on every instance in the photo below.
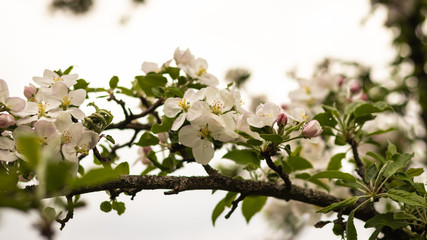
(307, 89)
(66, 137)
(83, 149)
(42, 109)
(204, 132)
(57, 79)
(183, 104)
(66, 101)
(217, 107)
(202, 70)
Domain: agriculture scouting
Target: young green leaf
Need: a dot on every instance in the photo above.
(385, 219)
(113, 82)
(335, 162)
(165, 126)
(350, 229)
(243, 156)
(334, 174)
(119, 207)
(150, 81)
(409, 198)
(105, 206)
(219, 208)
(298, 163)
(344, 203)
(275, 138)
(251, 205)
(147, 139)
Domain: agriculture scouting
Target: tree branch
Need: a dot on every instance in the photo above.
(221, 182)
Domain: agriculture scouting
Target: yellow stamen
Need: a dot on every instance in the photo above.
(183, 104)
(217, 107)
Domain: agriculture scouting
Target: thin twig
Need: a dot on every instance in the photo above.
(278, 170)
(234, 205)
(70, 212)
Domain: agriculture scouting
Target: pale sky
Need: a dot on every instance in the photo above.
(268, 37)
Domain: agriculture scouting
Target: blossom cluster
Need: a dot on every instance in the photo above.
(203, 116)
(50, 113)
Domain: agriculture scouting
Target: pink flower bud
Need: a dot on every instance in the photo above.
(312, 129)
(6, 120)
(355, 88)
(30, 91)
(364, 97)
(341, 81)
(284, 106)
(282, 119)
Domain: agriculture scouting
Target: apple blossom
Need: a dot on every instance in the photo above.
(219, 101)
(265, 115)
(183, 57)
(312, 129)
(12, 104)
(49, 78)
(185, 106)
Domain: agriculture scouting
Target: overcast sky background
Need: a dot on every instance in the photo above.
(268, 37)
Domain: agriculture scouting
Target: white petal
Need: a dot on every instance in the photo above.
(4, 90)
(15, 104)
(256, 121)
(203, 152)
(70, 80)
(63, 121)
(7, 156)
(89, 139)
(171, 107)
(60, 89)
(69, 152)
(148, 67)
(77, 97)
(188, 135)
(178, 122)
(6, 143)
(77, 113)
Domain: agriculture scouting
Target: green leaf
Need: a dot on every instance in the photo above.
(58, 175)
(344, 203)
(49, 213)
(68, 70)
(219, 208)
(378, 158)
(105, 206)
(251, 205)
(113, 82)
(409, 198)
(352, 107)
(150, 81)
(147, 139)
(173, 72)
(243, 156)
(119, 207)
(385, 219)
(254, 142)
(398, 161)
(165, 126)
(275, 138)
(367, 108)
(326, 119)
(335, 162)
(29, 145)
(413, 172)
(391, 150)
(174, 92)
(381, 131)
(122, 168)
(334, 174)
(350, 229)
(370, 172)
(110, 139)
(126, 91)
(244, 134)
(340, 140)
(95, 177)
(375, 234)
(331, 110)
(299, 163)
(81, 84)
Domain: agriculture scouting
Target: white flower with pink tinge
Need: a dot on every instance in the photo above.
(186, 106)
(12, 104)
(265, 115)
(50, 78)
